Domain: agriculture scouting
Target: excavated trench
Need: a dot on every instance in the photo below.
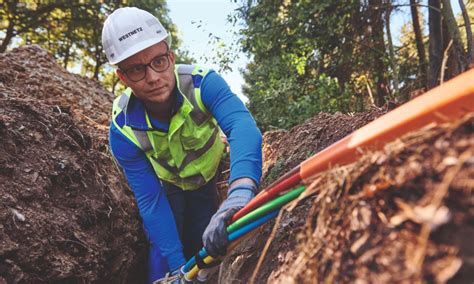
(403, 214)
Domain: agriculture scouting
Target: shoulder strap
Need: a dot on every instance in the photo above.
(140, 136)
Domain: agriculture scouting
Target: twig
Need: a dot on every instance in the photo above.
(445, 60)
(370, 92)
(95, 123)
(449, 178)
(440, 193)
(73, 241)
(267, 245)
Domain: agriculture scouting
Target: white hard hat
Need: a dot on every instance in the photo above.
(130, 30)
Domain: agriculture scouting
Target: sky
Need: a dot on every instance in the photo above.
(195, 20)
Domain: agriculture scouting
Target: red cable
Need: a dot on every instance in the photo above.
(285, 182)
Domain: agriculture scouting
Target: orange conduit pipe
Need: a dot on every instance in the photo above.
(444, 103)
(287, 181)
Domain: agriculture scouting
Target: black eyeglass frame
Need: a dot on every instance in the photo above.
(165, 55)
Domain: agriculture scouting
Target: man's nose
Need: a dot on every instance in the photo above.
(151, 75)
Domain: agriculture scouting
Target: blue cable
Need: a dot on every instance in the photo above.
(249, 227)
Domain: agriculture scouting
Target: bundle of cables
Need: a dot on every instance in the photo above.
(242, 227)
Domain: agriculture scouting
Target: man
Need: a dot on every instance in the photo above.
(165, 135)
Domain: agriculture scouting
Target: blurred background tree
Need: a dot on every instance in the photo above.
(312, 56)
(305, 56)
(71, 31)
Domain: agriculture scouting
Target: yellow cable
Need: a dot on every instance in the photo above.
(194, 271)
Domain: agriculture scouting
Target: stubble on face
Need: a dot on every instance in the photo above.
(157, 87)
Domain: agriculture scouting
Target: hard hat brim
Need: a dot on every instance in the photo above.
(137, 48)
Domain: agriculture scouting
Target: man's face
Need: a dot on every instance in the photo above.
(155, 87)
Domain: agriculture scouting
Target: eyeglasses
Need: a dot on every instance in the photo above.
(138, 72)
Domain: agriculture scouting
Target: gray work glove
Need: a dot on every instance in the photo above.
(215, 236)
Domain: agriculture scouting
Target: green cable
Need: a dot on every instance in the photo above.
(264, 209)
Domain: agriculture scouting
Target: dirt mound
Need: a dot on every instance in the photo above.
(31, 74)
(65, 213)
(284, 150)
(404, 214)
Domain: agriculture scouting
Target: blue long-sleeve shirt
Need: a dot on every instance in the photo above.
(245, 156)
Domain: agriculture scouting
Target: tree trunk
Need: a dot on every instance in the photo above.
(393, 64)
(435, 43)
(419, 41)
(452, 28)
(97, 66)
(467, 23)
(378, 43)
(116, 80)
(8, 37)
(67, 53)
(98, 58)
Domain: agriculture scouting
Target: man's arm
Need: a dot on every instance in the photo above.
(151, 199)
(234, 119)
(245, 142)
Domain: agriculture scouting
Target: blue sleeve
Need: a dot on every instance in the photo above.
(151, 199)
(235, 120)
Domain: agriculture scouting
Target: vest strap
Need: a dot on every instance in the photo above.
(198, 153)
(191, 156)
(195, 179)
(123, 101)
(143, 140)
(187, 87)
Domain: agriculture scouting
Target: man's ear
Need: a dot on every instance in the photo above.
(172, 57)
(121, 76)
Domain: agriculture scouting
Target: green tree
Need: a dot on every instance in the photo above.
(329, 53)
(20, 17)
(71, 31)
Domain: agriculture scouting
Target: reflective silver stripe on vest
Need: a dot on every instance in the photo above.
(141, 136)
(164, 164)
(123, 101)
(186, 85)
(191, 156)
(198, 153)
(143, 140)
(196, 179)
(186, 69)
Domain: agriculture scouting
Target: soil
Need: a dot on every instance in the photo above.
(66, 213)
(400, 215)
(31, 74)
(284, 150)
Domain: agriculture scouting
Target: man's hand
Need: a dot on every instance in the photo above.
(215, 236)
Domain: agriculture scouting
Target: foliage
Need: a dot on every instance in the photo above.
(306, 58)
(311, 56)
(407, 60)
(71, 31)
(292, 101)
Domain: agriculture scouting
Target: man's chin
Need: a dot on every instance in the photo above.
(158, 99)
